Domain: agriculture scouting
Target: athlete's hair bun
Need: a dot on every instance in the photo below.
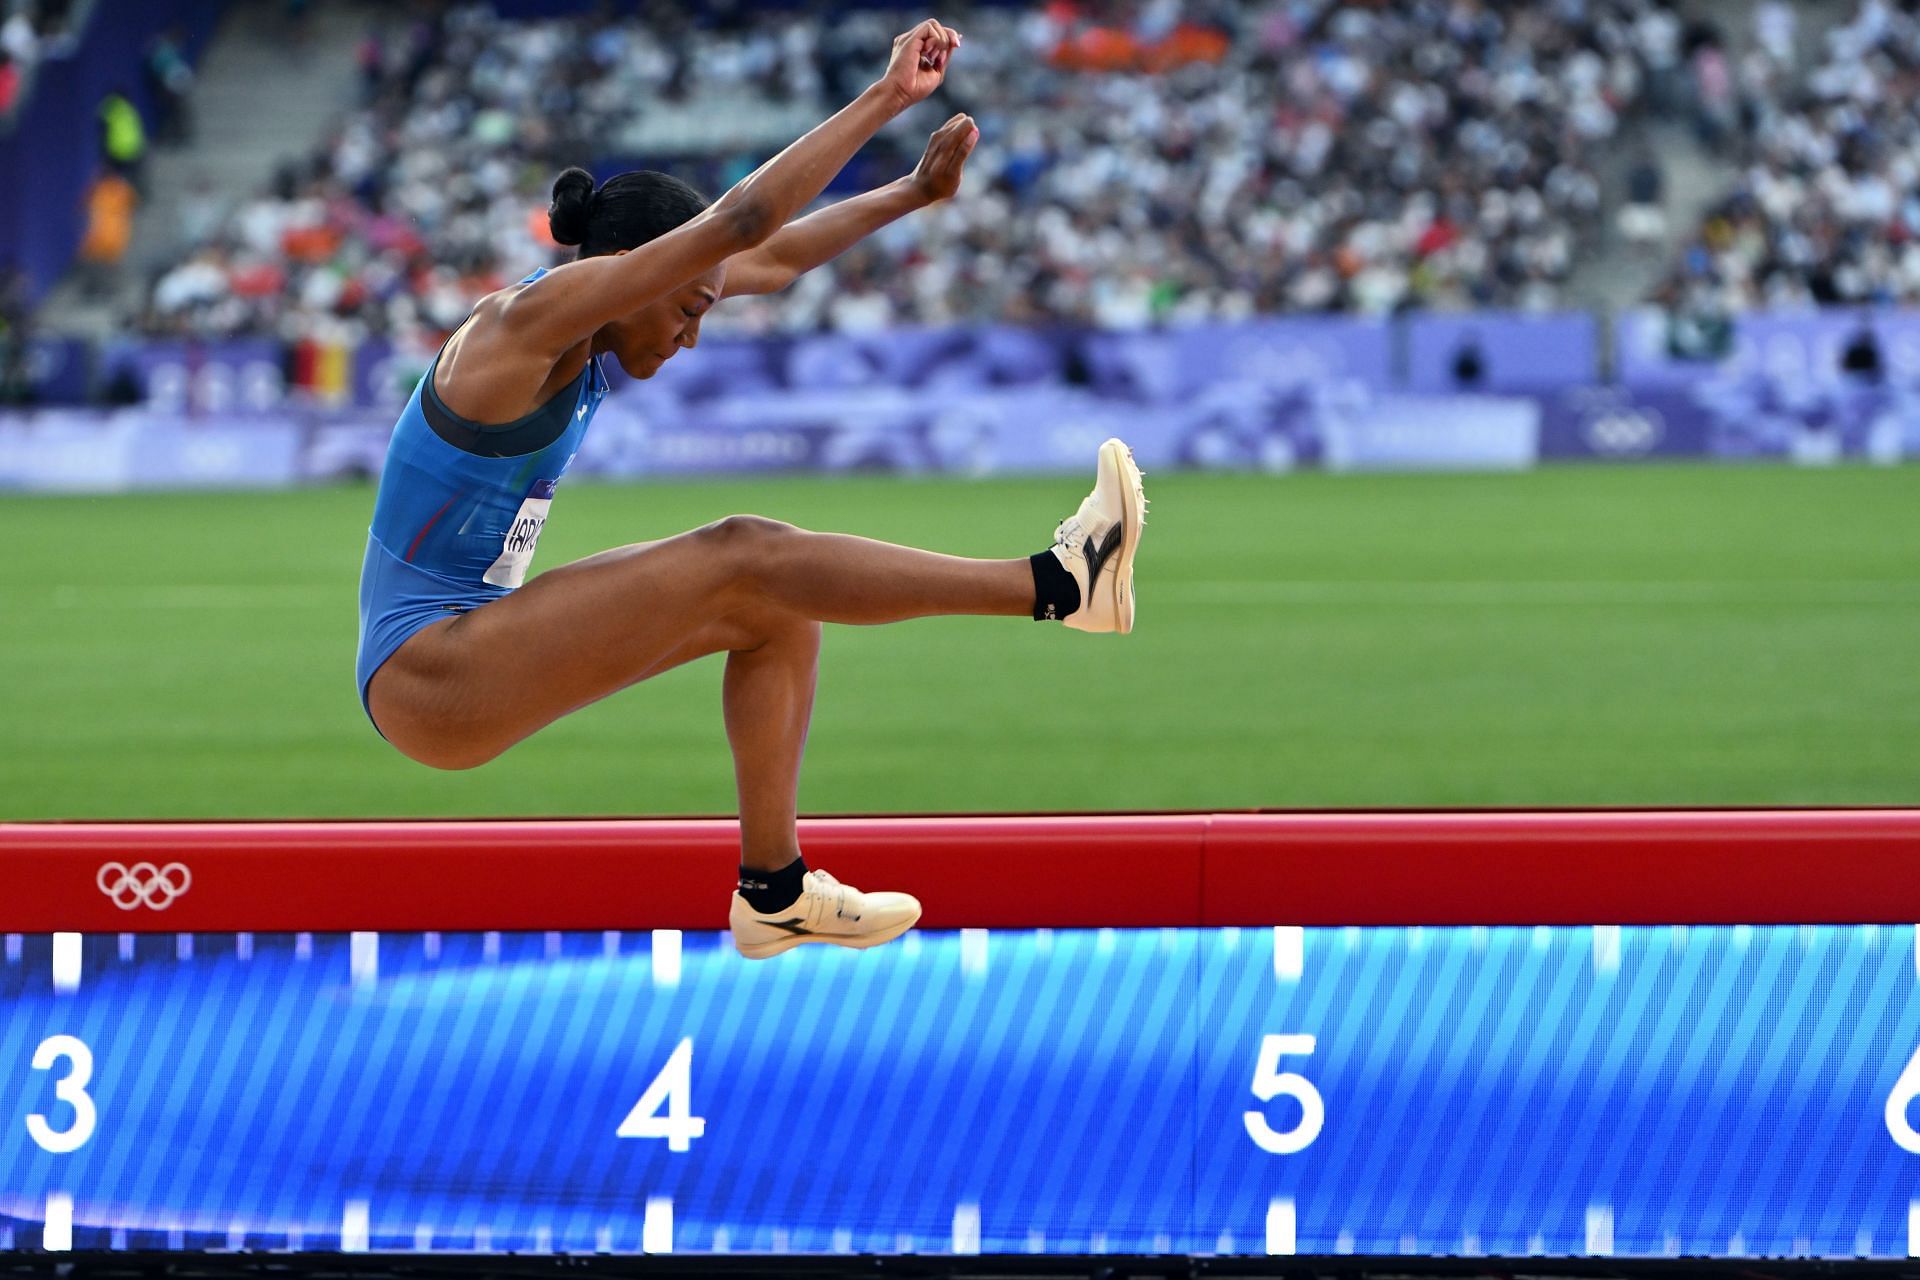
(567, 215)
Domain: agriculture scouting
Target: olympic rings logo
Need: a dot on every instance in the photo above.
(143, 884)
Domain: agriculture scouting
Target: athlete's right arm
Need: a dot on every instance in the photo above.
(571, 302)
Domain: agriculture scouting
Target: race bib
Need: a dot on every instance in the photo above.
(523, 535)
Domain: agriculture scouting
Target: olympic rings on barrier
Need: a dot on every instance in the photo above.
(143, 884)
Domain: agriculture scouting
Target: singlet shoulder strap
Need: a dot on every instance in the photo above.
(522, 436)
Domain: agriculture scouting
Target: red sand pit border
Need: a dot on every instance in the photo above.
(1120, 870)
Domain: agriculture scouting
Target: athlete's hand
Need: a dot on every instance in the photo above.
(937, 176)
(919, 62)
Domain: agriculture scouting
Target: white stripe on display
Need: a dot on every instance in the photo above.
(666, 957)
(1600, 1230)
(1289, 952)
(656, 1230)
(966, 1228)
(1606, 949)
(58, 1236)
(66, 962)
(1281, 1227)
(973, 952)
(363, 960)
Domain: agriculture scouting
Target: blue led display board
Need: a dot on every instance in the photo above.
(1608, 1090)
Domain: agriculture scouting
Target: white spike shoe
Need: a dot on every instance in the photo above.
(1097, 543)
(826, 911)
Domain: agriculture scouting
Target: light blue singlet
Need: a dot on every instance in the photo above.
(460, 510)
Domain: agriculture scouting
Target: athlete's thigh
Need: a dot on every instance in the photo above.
(480, 682)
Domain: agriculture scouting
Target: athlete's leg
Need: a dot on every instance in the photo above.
(773, 663)
(838, 577)
(462, 691)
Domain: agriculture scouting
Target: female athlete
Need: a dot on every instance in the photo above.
(458, 661)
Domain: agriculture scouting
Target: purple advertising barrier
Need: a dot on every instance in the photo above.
(1500, 351)
(1055, 429)
(383, 376)
(224, 451)
(1434, 433)
(1011, 429)
(896, 358)
(1758, 418)
(1002, 356)
(57, 370)
(723, 365)
(1615, 424)
(1812, 347)
(1750, 418)
(80, 451)
(64, 451)
(176, 376)
(1165, 365)
(344, 446)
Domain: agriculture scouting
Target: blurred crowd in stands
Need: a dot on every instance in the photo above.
(1827, 208)
(30, 31)
(1163, 160)
(1140, 161)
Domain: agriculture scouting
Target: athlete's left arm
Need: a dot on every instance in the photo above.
(805, 243)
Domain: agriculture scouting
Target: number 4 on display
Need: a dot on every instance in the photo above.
(673, 1087)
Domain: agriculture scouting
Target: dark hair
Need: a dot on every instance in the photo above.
(628, 210)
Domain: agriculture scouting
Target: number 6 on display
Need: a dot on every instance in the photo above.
(70, 1089)
(1905, 1089)
(1270, 1082)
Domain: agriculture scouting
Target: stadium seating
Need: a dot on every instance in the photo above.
(1207, 161)
(1824, 212)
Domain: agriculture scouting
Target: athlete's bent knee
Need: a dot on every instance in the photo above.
(449, 757)
(749, 545)
(440, 746)
(747, 531)
(452, 759)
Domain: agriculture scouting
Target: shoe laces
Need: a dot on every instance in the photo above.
(826, 887)
(1071, 535)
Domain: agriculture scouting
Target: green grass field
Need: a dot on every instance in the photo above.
(1574, 636)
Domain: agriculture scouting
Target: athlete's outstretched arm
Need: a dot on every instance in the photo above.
(571, 302)
(800, 246)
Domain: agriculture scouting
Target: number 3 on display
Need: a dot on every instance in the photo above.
(1270, 1082)
(70, 1089)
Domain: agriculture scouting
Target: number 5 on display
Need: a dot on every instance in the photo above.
(673, 1088)
(1270, 1082)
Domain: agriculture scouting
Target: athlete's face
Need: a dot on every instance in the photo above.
(651, 336)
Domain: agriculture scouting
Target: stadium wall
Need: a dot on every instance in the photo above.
(1337, 393)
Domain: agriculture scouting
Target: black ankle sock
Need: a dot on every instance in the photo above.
(1055, 593)
(770, 891)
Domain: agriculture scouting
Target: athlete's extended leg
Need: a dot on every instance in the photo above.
(462, 691)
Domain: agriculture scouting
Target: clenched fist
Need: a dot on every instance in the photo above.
(937, 176)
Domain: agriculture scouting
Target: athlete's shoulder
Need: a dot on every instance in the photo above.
(495, 307)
